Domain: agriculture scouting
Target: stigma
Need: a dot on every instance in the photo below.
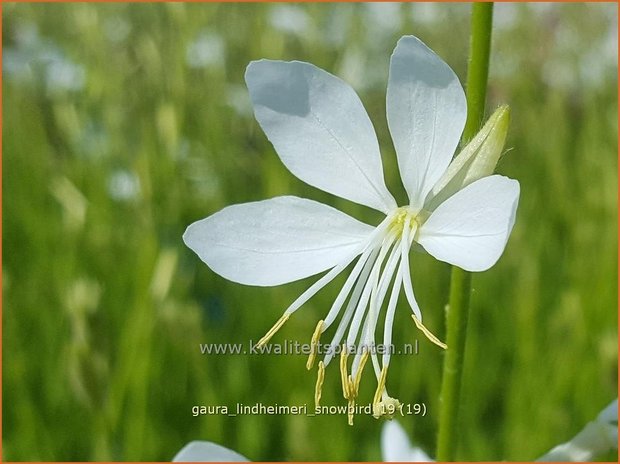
(406, 217)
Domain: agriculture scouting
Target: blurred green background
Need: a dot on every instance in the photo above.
(124, 123)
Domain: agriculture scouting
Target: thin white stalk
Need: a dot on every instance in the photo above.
(405, 246)
(374, 237)
(376, 302)
(346, 289)
(375, 365)
(372, 280)
(353, 302)
(389, 315)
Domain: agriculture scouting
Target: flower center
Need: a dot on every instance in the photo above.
(399, 220)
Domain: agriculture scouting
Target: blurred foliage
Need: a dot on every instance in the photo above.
(124, 123)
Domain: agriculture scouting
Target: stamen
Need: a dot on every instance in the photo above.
(380, 386)
(314, 344)
(263, 341)
(428, 333)
(351, 408)
(353, 302)
(343, 372)
(376, 302)
(388, 271)
(358, 375)
(375, 365)
(383, 405)
(389, 315)
(351, 403)
(319, 383)
(405, 244)
(322, 282)
(370, 284)
(352, 392)
(346, 288)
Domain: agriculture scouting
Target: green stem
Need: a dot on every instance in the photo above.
(460, 282)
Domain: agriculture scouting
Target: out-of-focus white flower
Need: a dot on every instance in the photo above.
(64, 75)
(123, 185)
(505, 15)
(382, 18)
(291, 19)
(205, 451)
(35, 57)
(396, 447)
(426, 12)
(457, 211)
(237, 98)
(206, 51)
(598, 437)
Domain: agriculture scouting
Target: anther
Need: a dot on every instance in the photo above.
(358, 376)
(263, 341)
(343, 372)
(380, 385)
(314, 344)
(351, 410)
(352, 396)
(428, 333)
(319, 383)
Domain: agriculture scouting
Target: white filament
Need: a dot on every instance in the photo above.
(376, 302)
(372, 281)
(405, 245)
(353, 301)
(346, 289)
(373, 239)
(389, 315)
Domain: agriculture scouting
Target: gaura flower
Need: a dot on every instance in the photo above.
(457, 211)
(206, 451)
(396, 447)
(598, 437)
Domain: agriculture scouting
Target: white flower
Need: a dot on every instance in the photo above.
(396, 447)
(206, 451)
(597, 438)
(322, 133)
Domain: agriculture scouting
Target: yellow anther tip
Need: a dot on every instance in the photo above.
(318, 331)
(380, 386)
(279, 323)
(360, 369)
(344, 376)
(313, 344)
(319, 383)
(428, 333)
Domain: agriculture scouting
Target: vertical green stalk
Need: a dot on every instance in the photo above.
(460, 283)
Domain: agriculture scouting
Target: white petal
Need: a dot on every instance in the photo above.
(594, 440)
(597, 437)
(609, 415)
(426, 111)
(318, 126)
(204, 451)
(395, 446)
(275, 241)
(471, 228)
(418, 455)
